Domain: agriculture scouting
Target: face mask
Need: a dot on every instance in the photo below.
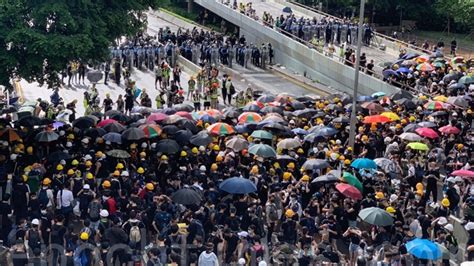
(44, 212)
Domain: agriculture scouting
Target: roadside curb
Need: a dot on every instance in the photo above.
(299, 81)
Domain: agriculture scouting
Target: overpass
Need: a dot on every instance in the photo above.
(296, 55)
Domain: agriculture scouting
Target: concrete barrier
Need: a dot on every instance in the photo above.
(183, 62)
(461, 236)
(298, 56)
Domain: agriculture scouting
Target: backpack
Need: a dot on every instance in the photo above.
(94, 211)
(135, 235)
(34, 240)
(232, 89)
(272, 212)
(200, 228)
(43, 197)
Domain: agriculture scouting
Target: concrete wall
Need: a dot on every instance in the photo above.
(299, 57)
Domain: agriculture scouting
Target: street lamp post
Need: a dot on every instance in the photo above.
(356, 77)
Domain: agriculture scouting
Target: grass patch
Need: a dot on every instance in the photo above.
(465, 41)
(183, 14)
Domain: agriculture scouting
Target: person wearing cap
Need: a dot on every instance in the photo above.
(34, 236)
(46, 194)
(85, 197)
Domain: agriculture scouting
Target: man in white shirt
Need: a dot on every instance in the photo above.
(64, 200)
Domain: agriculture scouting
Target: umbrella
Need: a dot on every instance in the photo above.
(287, 9)
(411, 127)
(170, 129)
(393, 116)
(324, 131)
(288, 144)
(378, 94)
(372, 106)
(201, 139)
(151, 130)
(46, 136)
(457, 60)
(57, 124)
(261, 134)
(220, 129)
(423, 249)
(376, 216)
(402, 94)
(313, 164)
(456, 86)
(427, 124)
(113, 137)
(58, 156)
(425, 67)
(112, 112)
(438, 113)
(266, 98)
(349, 191)
(427, 132)
(376, 119)
(238, 185)
(463, 173)
(8, 110)
(327, 178)
(215, 113)
(183, 107)
(237, 144)
(172, 119)
(167, 146)
(466, 80)
(83, 122)
(249, 117)
(312, 137)
(299, 131)
(94, 132)
(438, 64)
(114, 127)
(185, 114)
(410, 136)
(418, 146)
(119, 154)
(440, 98)
(352, 180)
(251, 108)
(389, 72)
(262, 150)
(404, 70)
(408, 104)
(448, 129)
(409, 56)
(9, 135)
(364, 163)
(188, 124)
(133, 134)
(305, 113)
(168, 111)
(386, 165)
(119, 117)
(341, 119)
(297, 105)
(207, 118)
(186, 196)
(274, 126)
(156, 117)
(434, 105)
(458, 101)
(183, 136)
(106, 122)
(231, 113)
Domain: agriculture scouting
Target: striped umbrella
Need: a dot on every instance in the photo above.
(425, 67)
(151, 130)
(434, 105)
(215, 113)
(249, 117)
(220, 129)
(422, 59)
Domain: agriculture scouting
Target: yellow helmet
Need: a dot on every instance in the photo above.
(379, 195)
(59, 167)
(70, 172)
(300, 151)
(29, 150)
(365, 138)
(84, 236)
(289, 213)
(140, 170)
(213, 167)
(286, 176)
(216, 148)
(404, 121)
(342, 157)
(106, 184)
(305, 178)
(291, 165)
(70, 136)
(195, 150)
(116, 173)
(133, 146)
(445, 202)
(347, 162)
(419, 186)
(460, 146)
(88, 163)
(142, 154)
(184, 154)
(276, 165)
(119, 166)
(99, 154)
(46, 181)
(164, 158)
(75, 162)
(219, 158)
(390, 210)
(150, 186)
(412, 119)
(254, 170)
(89, 176)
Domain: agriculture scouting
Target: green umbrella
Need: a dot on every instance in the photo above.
(262, 150)
(466, 80)
(352, 180)
(261, 134)
(418, 146)
(376, 216)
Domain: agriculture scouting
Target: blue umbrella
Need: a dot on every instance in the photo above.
(364, 98)
(410, 56)
(299, 131)
(389, 72)
(206, 118)
(113, 137)
(364, 163)
(324, 131)
(287, 9)
(238, 185)
(242, 129)
(404, 70)
(424, 249)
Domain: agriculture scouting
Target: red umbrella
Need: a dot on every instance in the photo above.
(185, 114)
(463, 173)
(156, 117)
(376, 119)
(349, 191)
(449, 130)
(427, 132)
(105, 122)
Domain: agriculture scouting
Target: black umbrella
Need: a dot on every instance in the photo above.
(46, 136)
(201, 139)
(8, 110)
(328, 178)
(411, 128)
(46, 121)
(110, 113)
(274, 126)
(94, 132)
(305, 113)
(400, 95)
(439, 113)
(120, 117)
(99, 115)
(120, 154)
(186, 196)
(167, 146)
(272, 109)
(28, 121)
(58, 156)
(170, 129)
(83, 122)
(183, 107)
(114, 127)
(187, 124)
(266, 98)
(341, 119)
(231, 113)
(183, 136)
(133, 134)
(407, 103)
(297, 105)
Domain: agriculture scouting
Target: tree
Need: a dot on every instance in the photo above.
(39, 37)
(458, 11)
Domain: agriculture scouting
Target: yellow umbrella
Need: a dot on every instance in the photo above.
(441, 98)
(418, 146)
(393, 116)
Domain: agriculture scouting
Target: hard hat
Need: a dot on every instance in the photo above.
(46, 181)
(106, 184)
(133, 146)
(164, 157)
(305, 178)
(286, 176)
(349, 148)
(99, 154)
(116, 173)
(445, 202)
(75, 162)
(195, 150)
(216, 148)
(379, 195)
(391, 210)
(300, 151)
(184, 154)
(276, 165)
(289, 213)
(84, 236)
(70, 172)
(213, 167)
(119, 166)
(35, 222)
(291, 165)
(347, 162)
(460, 146)
(150, 186)
(104, 213)
(70, 136)
(419, 186)
(89, 176)
(142, 154)
(59, 167)
(254, 170)
(29, 150)
(25, 178)
(412, 119)
(219, 158)
(88, 163)
(140, 170)
(342, 158)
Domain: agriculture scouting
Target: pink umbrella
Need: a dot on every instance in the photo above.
(156, 117)
(349, 191)
(463, 173)
(449, 130)
(185, 114)
(105, 122)
(427, 132)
